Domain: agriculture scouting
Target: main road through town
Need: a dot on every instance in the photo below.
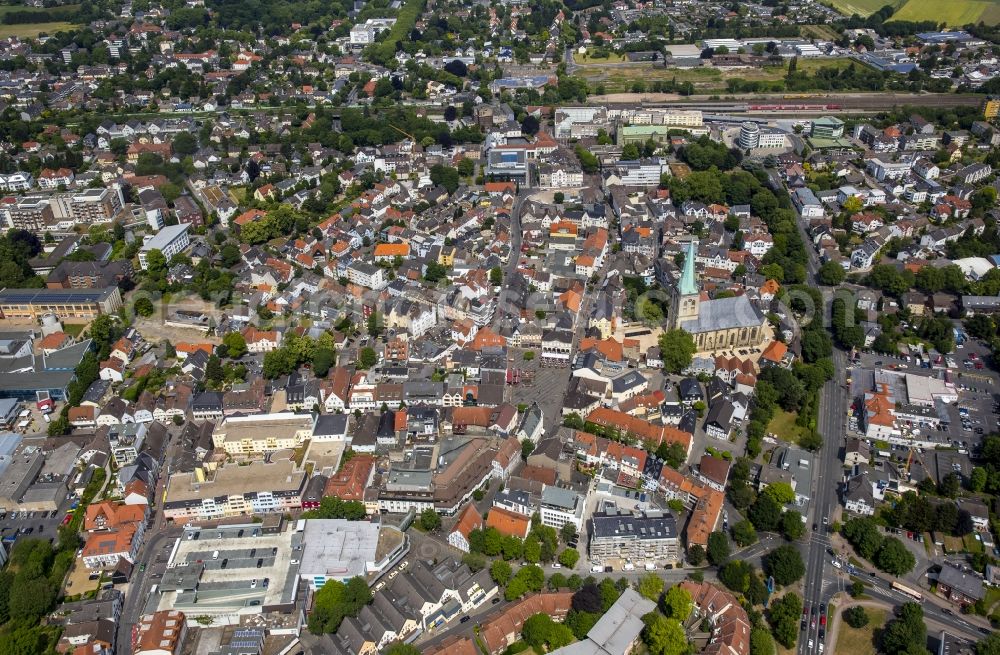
(823, 580)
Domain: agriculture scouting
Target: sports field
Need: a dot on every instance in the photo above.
(954, 13)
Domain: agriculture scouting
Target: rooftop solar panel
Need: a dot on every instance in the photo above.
(51, 295)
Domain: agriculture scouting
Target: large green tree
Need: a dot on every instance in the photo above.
(783, 615)
(718, 548)
(856, 617)
(663, 636)
(430, 520)
(650, 586)
(792, 525)
(989, 645)
(569, 557)
(765, 513)
(544, 634)
(907, 633)
(785, 564)
(831, 274)
(677, 349)
(736, 574)
(236, 344)
(677, 603)
(761, 642)
(744, 533)
(335, 601)
(894, 558)
(500, 571)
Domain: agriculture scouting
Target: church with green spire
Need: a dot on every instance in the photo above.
(716, 325)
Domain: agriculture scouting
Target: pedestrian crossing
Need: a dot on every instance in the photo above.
(880, 591)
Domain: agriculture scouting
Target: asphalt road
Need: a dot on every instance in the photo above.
(826, 479)
(823, 580)
(515, 252)
(153, 559)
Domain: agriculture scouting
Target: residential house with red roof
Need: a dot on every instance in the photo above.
(468, 520)
(351, 481)
(508, 523)
(261, 341)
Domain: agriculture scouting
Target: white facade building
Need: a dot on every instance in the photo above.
(170, 241)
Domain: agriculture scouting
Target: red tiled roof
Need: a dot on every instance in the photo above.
(350, 481)
(500, 631)
(469, 520)
(508, 523)
(644, 430)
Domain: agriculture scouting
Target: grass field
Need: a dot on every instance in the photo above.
(992, 597)
(860, 642)
(783, 425)
(620, 77)
(953, 12)
(31, 30)
(612, 58)
(972, 545)
(74, 329)
(820, 32)
(991, 16)
(34, 29)
(862, 7)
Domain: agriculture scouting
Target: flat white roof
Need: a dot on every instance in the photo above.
(338, 548)
(165, 237)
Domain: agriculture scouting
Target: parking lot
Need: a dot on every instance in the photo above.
(40, 525)
(977, 412)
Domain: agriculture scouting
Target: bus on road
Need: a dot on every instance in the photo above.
(909, 591)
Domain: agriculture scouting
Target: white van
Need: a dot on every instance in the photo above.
(215, 555)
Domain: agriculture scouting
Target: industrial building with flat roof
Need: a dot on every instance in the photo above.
(20, 473)
(337, 549)
(443, 479)
(24, 377)
(617, 631)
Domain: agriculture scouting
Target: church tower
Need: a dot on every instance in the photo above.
(684, 303)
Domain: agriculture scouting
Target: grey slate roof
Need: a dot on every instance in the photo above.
(723, 314)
